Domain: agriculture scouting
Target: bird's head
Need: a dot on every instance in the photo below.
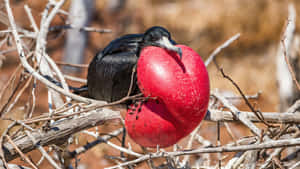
(160, 37)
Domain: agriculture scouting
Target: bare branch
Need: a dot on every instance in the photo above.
(271, 117)
(219, 49)
(60, 131)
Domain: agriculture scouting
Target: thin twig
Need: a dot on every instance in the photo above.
(230, 131)
(219, 49)
(15, 89)
(42, 150)
(75, 79)
(18, 96)
(289, 65)
(2, 155)
(255, 96)
(90, 145)
(122, 149)
(131, 81)
(72, 64)
(10, 81)
(256, 112)
(87, 29)
(20, 123)
(29, 14)
(23, 156)
(33, 100)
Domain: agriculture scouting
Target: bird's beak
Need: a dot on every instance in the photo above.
(164, 42)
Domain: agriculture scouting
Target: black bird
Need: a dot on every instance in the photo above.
(110, 71)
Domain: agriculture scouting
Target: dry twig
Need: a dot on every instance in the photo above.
(23, 156)
(219, 49)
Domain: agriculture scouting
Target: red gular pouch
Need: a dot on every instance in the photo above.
(182, 88)
(150, 124)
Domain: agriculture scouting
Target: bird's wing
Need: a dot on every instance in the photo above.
(122, 77)
(109, 78)
(127, 43)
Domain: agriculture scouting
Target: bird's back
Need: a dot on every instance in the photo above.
(126, 43)
(109, 73)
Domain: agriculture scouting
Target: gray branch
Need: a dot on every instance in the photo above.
(59, 132)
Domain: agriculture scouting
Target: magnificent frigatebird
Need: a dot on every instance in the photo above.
(110, 71)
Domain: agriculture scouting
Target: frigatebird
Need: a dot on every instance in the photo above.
(110, 71)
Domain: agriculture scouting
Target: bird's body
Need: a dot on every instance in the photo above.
(110, 71)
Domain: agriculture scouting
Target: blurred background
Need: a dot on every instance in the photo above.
(200, 24)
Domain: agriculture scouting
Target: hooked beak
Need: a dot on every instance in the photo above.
(164, 42)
